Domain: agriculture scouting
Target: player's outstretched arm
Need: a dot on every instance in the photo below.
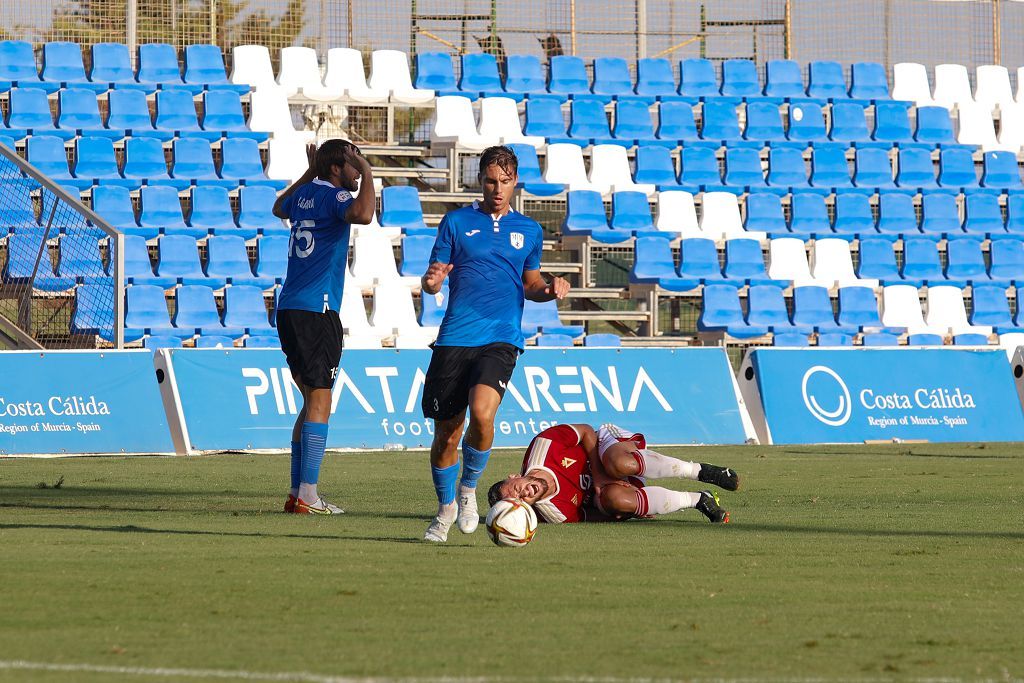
(361, 211)
(536, 288)
(434, 277)
(307, 177)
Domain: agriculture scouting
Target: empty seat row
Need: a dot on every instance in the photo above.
(953, 85)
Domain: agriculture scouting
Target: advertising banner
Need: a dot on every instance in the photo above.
(854, 395)
(77, 402)
(245, 399)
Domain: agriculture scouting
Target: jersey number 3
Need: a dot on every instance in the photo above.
(301, 243)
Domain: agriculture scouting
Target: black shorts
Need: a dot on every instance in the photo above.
(455, 369)
(312, 343)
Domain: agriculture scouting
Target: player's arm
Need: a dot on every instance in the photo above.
(307, 177)
(440, 258)
(536, 288)
(361, 210)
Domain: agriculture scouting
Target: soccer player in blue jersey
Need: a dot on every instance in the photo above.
(321, 209)
(491, 256)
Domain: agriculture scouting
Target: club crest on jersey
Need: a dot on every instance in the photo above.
(568, 462)
(343, 196)
(517, 239)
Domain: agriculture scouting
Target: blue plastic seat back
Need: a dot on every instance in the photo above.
(676, 122)
(136, 257)
(915, 168)
(982, 214)
(877, 259)
(766, 305)
(812, 306)
(179, 256)
(94, 307)
(114, 205)
(193, 159)
(783, 79)
(896, 213)
(585, 210)
(853, 215)
(1001, 170)
(654, 77)
(921, 259)
(806, 122)
(630, 211)
(810, 215)
(22, 251)
(144, 158)
(699, 258)
(255, 207)
(544, 117)
(611, 76)
(17, 61)
(1015, 214)
(480, 73)
(434, 71)
(95, 158)
(786, 167)
(195, 307)
(829, 167)
(554, 340)
(699, 167)
(892, 122)
(720, 121)
(214, 341)
(175, 110)
(272, 255)
(826, 80)
(29, 108)
(204, 64)
(654, 165)
(1007, 259)
(146, 307)
(400, 206)
(227, 257)
(990, 306)
(158, 63)
(62, 62)
(416, 254)
(956, 169)
(240, 158)
(764, 122)
(743, 259)
(160, 207)
(872, 168)
(161, 341)
(77, 108)
(849, 123)
(720, 306)
(568, 76)
(858, 307)
(868, 81)
(633, 120)
(432, 308)
(764, 213)
(653, 258)
(46, 153)
(739, 78)
(211, 208)
(965, 259)
(524, 74)
(602, 340)
(934, 126)
(111, 63)
(129, 110)
(222, 110)
(939, 214)
(697, 78)
(588, 120)
(542, 314)
(529, 163)
(743, 167)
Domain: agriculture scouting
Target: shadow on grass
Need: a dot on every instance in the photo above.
(740, 527)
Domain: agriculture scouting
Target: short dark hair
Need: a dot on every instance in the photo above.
(494, 493)
(331, 153)
(501, 156)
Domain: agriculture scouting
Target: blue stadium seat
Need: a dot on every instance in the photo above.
(96, 163)
(193, 163)
(850, 126)
(400, 208)
(63, 65)
(611, 78)
(554, 340)
(633, 124)
(783, 80)
(764, 214)
(211, 211)
(699, 171)
(222, 113)
(697, 80)
(654, 78)
(228, 261)
(138, 269)
(676, 124)
(1001, 172)
(721, 125)
(17, 210)
(588, 124)
(654, 166)
(873, 172)
(934, 128)
(990, 307)
(94, 305)
(786, 169)
(114, 205)
(432, 308)
(921, 261)
(829, 169)
(956, 171)
(112, 65)
(878, 261)
(630, 211)
(721, 311)
(272, 257)
(826, 81)
(144, 160)
(158, 63)
(161, 341)
(965, 264)
(896, 215)
(602, 340)
(868, 81)
(853, 216)
(568, 78)
(530, 177)
(195, 309)
(1015, 216)
(214, 341)
(835, 339)
(47, 153)
(255, 212)
(698, 260)
(653, 265)
(241, 164)
(525, 76)
(161, 211)
(258, 342)
(766, 307)
(744, 262)
(743, 170)
(880, 339)
(434, 71)
(543, 317)
(858, 308)
(813, 308)
(175, 111)
(809, 216)
(415, 255)
(915, 170)
(544, 118)
(970, 339)
(940, 216)
(18, 67)
(585, 216)
(790, 339)
(764, 126)
(146, 309)
(480, 77)
(892, 126)
(245, 307)
(179, 258)
(924, 339)
(22, 252)
(204, 66)
(10, 171)
(739, 78)
(129, 112)
(806, 124)
(29, 114)
(78, 113)
(983, 217)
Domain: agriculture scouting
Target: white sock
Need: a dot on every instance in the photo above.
(655, 500)
(308, 494)
(657, 466)
(467, 491)
(447, 513)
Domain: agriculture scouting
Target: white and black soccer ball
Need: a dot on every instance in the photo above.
(511, 523)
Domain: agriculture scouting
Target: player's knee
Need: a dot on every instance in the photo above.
(618, 500)
(448, 431)
(620, 465)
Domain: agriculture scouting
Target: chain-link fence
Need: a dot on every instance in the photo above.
(58, 265)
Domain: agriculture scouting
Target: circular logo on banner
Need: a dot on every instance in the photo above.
(840, 394)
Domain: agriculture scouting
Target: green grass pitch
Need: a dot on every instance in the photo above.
(843, 562)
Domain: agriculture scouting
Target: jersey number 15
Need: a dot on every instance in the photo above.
(301, 242)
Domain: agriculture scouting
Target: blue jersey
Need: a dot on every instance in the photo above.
(317, 249)
(485, 302)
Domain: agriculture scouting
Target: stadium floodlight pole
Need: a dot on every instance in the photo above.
(132, 28)
(641, 29)
(572, 26)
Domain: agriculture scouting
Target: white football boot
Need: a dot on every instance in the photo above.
(437, 532)
(469, 516)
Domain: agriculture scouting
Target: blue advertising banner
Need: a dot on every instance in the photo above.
(80, 402)
(845, 396)
(242, 399)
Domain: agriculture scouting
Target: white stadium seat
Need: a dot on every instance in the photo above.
(345, 72)
(910, 82)
(250, 65)
(564, 165)
(270, 112)
(1010, 341)
(952, 86)
(787, 260)
(976, 127)
(300, 71)
(901, 307)
(945, 304)
(353, 315)
(831, 262)
(676, 213)
(373, 261)
(720, 218)
(499, 118)
(394, 312)
(286, 159)
(993, 86)
(610, 172)
(1011, 127)
(455, 124)
(390, 71)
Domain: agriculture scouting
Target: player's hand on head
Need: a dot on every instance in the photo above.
(311, 154)
(355, 158)
(557, 288)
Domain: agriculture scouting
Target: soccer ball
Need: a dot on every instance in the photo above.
(511, 523)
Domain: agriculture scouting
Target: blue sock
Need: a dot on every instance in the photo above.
(296, 463)
(314, 442)
(473, 464)
(444, 482)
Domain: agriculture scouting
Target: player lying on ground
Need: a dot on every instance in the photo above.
(572, 473)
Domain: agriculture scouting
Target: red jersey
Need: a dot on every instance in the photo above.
(558, 451)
